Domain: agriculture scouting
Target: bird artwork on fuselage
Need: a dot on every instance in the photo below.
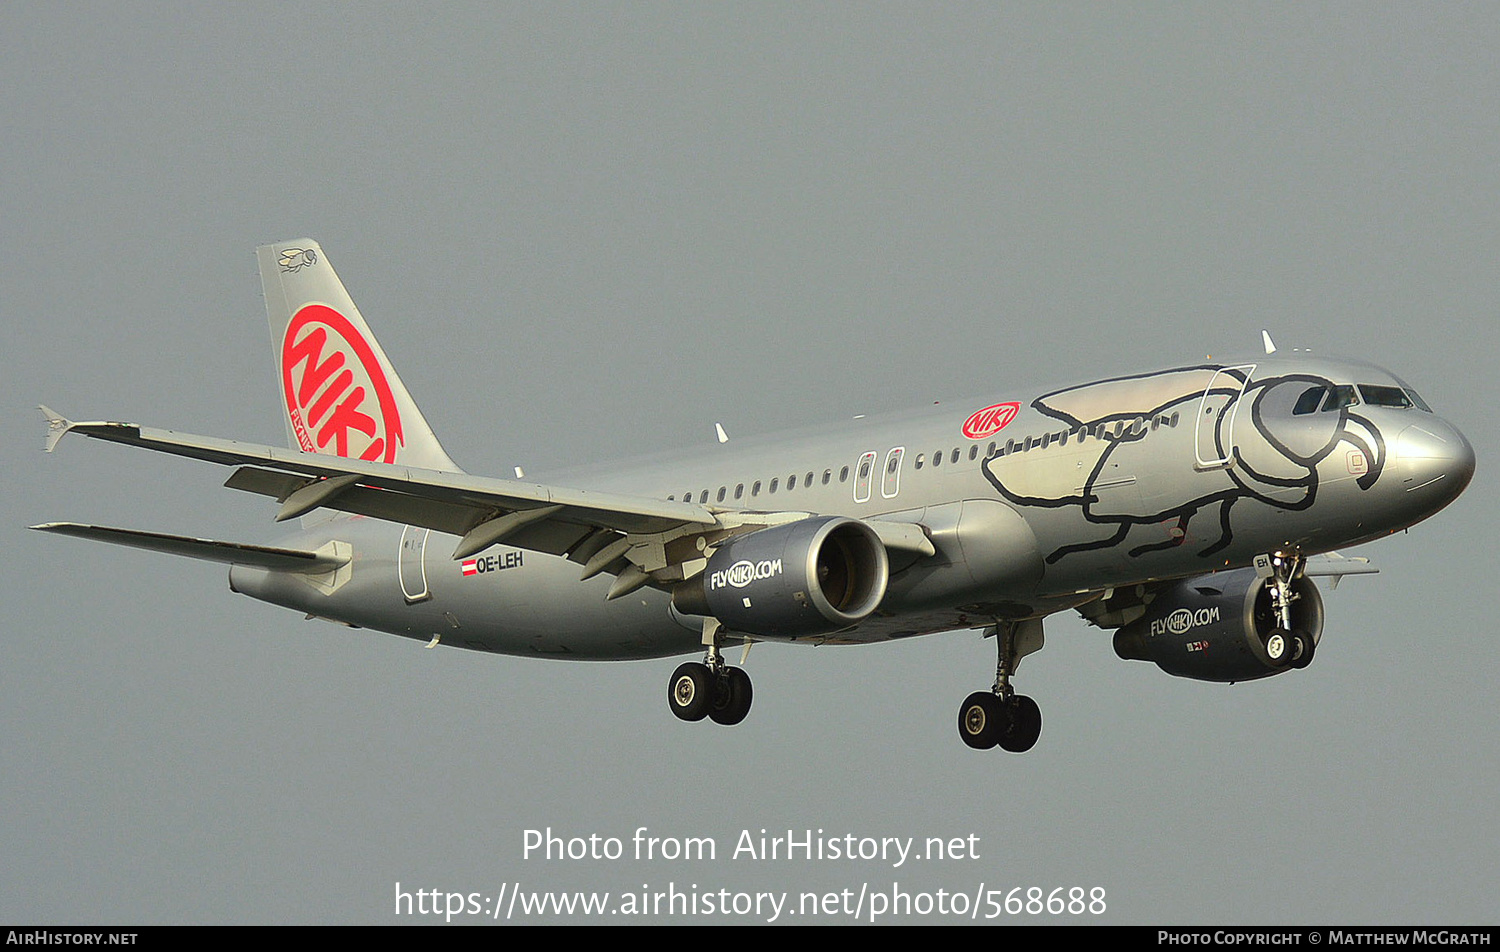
(1234, 438)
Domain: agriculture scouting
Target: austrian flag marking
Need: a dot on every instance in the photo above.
(990, 420)
(336, 392)
(494, 562)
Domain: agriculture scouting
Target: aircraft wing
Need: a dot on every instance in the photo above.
(1332, 564)
(638, 539)
(578, 523)
(1336, 566)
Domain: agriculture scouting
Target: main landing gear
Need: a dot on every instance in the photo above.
(710, 688)
(999, 717)
(1285, 646)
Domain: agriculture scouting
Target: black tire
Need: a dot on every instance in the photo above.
(1279, 648)
(1303, 649)
(690, 693)
(732, 696)
(1025, 725)
(981, 720)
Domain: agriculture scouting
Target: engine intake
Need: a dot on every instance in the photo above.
(809, 577)
(1214, 627)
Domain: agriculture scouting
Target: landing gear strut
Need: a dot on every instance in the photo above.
(1285, 647)
(710, 688)
(999, 716)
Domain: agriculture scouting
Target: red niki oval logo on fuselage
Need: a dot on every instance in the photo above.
(336, 392)
(990, 420)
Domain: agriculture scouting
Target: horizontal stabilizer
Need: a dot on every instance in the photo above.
(234, 553)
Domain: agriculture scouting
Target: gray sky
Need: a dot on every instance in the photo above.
(587, 231)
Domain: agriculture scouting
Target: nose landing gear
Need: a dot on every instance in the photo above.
(1285, 646)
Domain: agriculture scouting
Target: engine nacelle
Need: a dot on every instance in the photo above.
(1214, 627)
(809, 577)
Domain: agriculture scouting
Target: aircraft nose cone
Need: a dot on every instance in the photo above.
(1435, 461)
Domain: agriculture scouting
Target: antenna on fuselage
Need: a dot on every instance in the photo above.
(1265, 337)
(719, 431)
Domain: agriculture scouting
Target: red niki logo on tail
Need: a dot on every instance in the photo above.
(990, 420)
(337, 404)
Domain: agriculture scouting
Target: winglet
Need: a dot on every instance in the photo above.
(57, 426)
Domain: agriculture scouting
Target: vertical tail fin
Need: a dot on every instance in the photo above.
(340, 395)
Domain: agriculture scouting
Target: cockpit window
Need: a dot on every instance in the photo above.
(1421, 404)
(1339, 397)
(1379, 396)
(1308, 402)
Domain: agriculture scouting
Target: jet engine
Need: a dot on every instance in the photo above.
(1223, 627)
(809, 577)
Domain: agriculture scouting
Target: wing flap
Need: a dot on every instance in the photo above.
(435, 514)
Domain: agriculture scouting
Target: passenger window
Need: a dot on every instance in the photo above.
(704, 498)
(739, 491)
(722, 491)
(755, 488)
(808, 481)
(791, 482)
(937, 458)
(955, 454)
(773, 484)
(921, 458)
(827, 475)
(844, 475)
(992, 449)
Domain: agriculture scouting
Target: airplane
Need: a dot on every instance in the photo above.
(1188, 509)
